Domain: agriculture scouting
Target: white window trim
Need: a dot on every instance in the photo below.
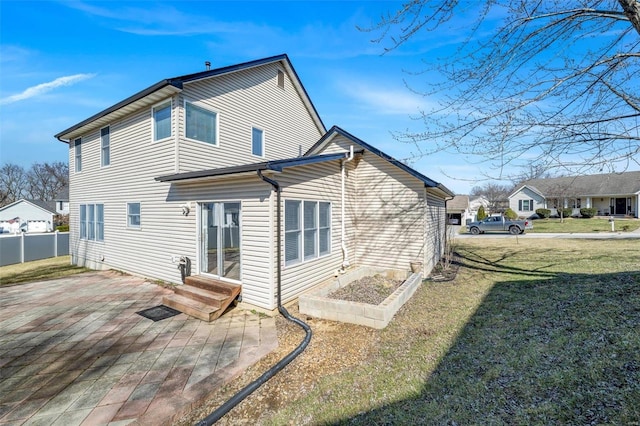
(153, 120)
(207, 108)
(101, 147)
(87, 221)
(127, 215)
(75, 155)
(263, 143)
(301, 256)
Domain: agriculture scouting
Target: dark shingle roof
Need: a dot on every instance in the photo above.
(597, 185)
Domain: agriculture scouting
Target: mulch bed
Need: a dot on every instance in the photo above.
(372, 290)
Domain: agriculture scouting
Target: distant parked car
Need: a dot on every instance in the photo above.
(499, 224)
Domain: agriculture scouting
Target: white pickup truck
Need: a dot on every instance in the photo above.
(499, 224)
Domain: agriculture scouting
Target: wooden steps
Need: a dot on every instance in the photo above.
(203, 298)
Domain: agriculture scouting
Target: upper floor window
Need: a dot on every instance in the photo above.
(77, 146)
(257, 142)
(201, 124)
(280, 79)
(133, 215)
(162, 121)
(105, 142)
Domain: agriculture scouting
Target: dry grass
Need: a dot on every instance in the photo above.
(38, 270)
(545, 333)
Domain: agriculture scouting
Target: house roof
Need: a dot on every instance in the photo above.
(589, 185)
(335, 130)
(170, 86)
(458, 203)
(62, 194)
(43, 205)
(276, 166)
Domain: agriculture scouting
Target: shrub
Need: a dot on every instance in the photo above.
(481, 213)
(510, 214)
(62, 228)
(588, 212)
(543, 213)
(565, 212)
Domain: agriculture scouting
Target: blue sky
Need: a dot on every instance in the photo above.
(62, 62)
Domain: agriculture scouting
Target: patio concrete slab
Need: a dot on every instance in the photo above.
(73, 351)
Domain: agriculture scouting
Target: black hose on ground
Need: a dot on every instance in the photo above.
(251, 387)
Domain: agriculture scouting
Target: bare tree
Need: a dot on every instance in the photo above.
(13, 183)
(496, 194)
(554, 85)
(45, 180)
(41, 182)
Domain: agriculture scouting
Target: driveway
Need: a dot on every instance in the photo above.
(73, 351)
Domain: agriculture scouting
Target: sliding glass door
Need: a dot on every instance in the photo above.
(220, 239)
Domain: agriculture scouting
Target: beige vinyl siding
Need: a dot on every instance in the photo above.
(135, 161)
(390, 216)
(256, 236)
(435, 231)
(246, 99)
(318, 182)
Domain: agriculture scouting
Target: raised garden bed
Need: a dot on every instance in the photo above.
(321, 302)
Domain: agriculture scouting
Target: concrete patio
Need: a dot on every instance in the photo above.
(73, 351)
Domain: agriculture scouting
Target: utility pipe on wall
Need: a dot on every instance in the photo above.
(251, 387)
(343, 239)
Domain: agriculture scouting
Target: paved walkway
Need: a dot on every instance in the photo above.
(73, 351)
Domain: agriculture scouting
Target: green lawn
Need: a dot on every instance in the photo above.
(538, 333)
(583, 225)
(38, 270)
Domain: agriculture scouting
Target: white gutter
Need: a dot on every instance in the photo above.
(343, 240)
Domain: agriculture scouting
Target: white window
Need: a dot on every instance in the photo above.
(325, 228)
(83, 222)
(525, 205)
(202, 124)
(307, 230)
(162, 121)
(292, 232)
(92, 222)
(77, 145)
(257, 142)
(133, 215)
(99, 222)
(105, 142)
(310, 229)
(281, 79)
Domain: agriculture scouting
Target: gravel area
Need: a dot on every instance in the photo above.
(372, 290)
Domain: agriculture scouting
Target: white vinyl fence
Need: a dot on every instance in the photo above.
(27, 247)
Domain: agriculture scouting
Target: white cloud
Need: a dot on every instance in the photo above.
(43, 88)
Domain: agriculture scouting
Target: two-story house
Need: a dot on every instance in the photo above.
(230, 174)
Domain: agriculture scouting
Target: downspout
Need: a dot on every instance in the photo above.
(343, 239)
(253, 386)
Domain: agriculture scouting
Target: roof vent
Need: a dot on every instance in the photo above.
(207, 64)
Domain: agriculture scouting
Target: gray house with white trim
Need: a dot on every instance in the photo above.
(611, 194)
(232, 171)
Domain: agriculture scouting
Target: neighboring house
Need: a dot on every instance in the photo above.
(27, 215)
(615, 194)
(474, 205)
(458, 210)
(62, 201)
(233, 169)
